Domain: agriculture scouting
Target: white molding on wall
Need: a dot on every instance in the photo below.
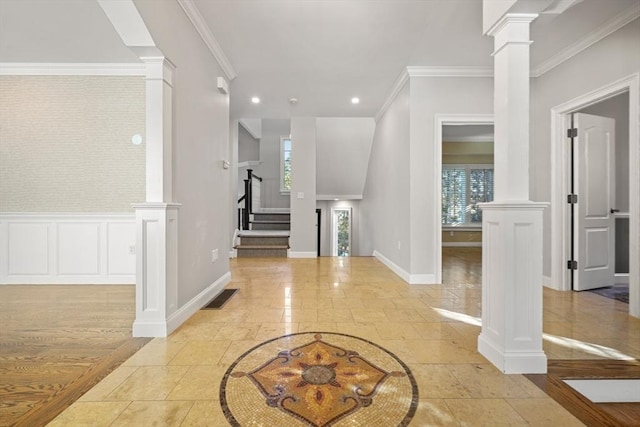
(546, 281)
(197, 302)
(622, 278)
(412, 279)
(71, 69)
(461, 244)
(301, 254)
(198, 21)
(450, 71)
(67, 248)
(249, 163)
(337, 197)
(592, 38)
(395, 90)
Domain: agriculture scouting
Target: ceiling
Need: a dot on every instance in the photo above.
(322, 52)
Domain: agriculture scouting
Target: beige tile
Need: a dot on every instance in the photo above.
(443, 351)
(205, 413)
(199, 383)
(335, 315)
(317, 327)
(200, 353)
(163, 413)
(156, 353)
(89, 414)
(435, 330)
(273, 330)
(101, 390)
(485, 381)
(366, 315)
(404, 315)
(265, 315)
(300, 315)
(348, 303)
(484, 412)
(149, 383)
(359, 329)
(396, 330)
(234, 332)
(433, 412)
(543, 412)
(236, 349)
(437, 382)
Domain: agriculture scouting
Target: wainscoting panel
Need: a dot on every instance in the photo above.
(77, 248)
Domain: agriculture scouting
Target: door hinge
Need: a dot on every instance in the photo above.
(572, 133)
(572, 199)
(572, 265)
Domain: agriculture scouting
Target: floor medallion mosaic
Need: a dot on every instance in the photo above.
(318, 379)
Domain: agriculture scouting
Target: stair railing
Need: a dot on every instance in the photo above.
(244, 214)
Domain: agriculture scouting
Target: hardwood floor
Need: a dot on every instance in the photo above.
(56, 342)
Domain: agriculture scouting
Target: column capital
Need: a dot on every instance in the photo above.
(511, 18)
(159, 68)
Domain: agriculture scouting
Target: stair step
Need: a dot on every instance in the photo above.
(261, 247)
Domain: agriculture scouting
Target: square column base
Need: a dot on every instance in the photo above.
(511, 336)
(156, 268)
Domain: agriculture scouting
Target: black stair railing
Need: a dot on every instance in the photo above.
(245, 213)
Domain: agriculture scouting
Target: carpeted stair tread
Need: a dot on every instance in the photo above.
(261, 247)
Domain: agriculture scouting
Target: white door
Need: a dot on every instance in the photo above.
(594, 221)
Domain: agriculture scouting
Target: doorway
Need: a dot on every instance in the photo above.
(560, 179)
(341, 232)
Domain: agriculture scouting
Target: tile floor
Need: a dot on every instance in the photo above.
(175, 381)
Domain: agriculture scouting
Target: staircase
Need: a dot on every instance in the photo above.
(268, 236)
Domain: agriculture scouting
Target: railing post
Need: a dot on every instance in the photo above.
(247, 205)
(249, 190)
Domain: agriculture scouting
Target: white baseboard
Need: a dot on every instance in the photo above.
(272, 210)
(297, 254)
(513, 362)
(462, 244)
(159, 328)
(67, 248)
(622, 278)
(412, 279)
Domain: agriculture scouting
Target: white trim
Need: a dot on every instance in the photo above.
(590, 39)
(546, 281)
(412, 279)
(71, 69)
(450, 71)
(559, 177)
(197, 302)
(337, 197)
(622, 278)
(104, 241)
(461, 244)
(163, 329)
(441, 120)
(192, 11)
(249, 163)
(254, 130)
(477, 138)
(395, 90)
(298, 254)
(513, 362)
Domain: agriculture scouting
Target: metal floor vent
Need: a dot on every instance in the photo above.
(221, 299)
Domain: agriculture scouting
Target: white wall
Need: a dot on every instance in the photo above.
(384, 209)
(430, 97)
(303, 188)
(269, 169)
(344, 146)
(200, 142)
(615, 57)
(248, 146)
(65, 143)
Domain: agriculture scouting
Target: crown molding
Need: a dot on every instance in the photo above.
(453, 71)
(71, 69)
(397, 86)
(609, 27)
(196, 18)
(431, 71)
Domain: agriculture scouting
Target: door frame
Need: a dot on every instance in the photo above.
(560, 121)
(334, 240)
(445, 120)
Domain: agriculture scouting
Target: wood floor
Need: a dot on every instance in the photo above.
(56, 342)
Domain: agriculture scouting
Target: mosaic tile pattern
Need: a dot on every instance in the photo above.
(318, 379)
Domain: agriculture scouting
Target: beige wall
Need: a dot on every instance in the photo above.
(65, 143)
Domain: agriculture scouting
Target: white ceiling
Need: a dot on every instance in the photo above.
(322, 52)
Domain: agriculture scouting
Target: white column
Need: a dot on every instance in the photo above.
(157, 218)
(511, 336)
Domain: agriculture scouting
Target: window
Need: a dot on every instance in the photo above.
(285, 164)
(463, 187)
(341, 225)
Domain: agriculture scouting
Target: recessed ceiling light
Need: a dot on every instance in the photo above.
(355, 100)
(255, 100)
